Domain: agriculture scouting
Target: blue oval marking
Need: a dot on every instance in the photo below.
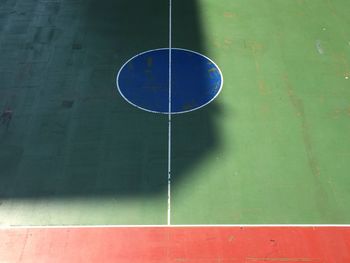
(143, 80)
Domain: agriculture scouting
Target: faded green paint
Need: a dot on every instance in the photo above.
(283, 117)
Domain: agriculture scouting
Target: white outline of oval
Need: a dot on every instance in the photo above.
(160, 112)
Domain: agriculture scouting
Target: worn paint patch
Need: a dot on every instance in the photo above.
(319, 47)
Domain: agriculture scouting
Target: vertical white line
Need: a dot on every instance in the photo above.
(169, 114)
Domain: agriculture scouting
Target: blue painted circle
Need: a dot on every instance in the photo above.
(144, 81)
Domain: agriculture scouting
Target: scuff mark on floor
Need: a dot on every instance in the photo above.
(322, 196)
(319, 47)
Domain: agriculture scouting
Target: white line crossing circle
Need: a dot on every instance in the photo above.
(143, 81)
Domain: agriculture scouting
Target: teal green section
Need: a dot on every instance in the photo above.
(275, 144)
(75, 152)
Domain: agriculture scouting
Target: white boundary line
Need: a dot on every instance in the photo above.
(180, 112)
(178, 226)
(169, 115)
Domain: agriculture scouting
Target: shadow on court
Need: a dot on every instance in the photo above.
(72, 134)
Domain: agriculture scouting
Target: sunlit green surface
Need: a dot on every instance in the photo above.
(282, 124)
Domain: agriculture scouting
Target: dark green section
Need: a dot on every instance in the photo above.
(274, 146)
(75, 152)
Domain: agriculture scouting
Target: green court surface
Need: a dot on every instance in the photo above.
(273, 148)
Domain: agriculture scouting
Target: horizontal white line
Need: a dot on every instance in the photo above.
(173, 226)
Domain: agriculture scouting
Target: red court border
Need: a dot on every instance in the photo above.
(175, 244)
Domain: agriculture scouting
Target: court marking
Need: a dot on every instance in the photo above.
(169, 99)
(172, 49)
(169, 116)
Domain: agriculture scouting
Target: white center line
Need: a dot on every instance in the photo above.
(169, 115)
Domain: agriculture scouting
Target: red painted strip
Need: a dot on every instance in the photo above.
(176, 245)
